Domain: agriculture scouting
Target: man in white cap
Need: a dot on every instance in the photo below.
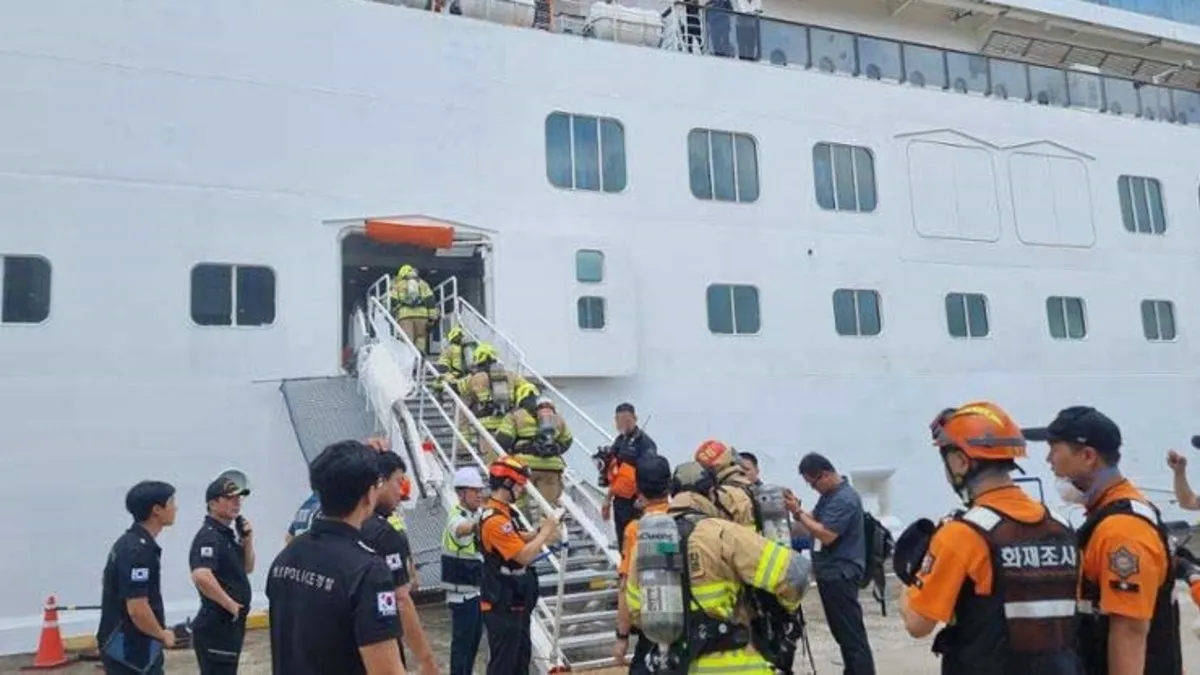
(461, 569)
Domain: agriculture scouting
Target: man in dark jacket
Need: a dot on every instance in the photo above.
(630, 445)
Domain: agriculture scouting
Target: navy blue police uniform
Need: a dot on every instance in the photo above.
(217, 636)
(330, 594)
(133, 571)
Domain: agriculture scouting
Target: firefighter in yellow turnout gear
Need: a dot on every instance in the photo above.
(693, 567)
(455, 360)
(538, 436)
(489, 391)
(414, 306)
(733, 497)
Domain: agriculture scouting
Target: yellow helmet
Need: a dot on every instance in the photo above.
(525, 390)
(455, 335)
(485, 353)
(406, 272)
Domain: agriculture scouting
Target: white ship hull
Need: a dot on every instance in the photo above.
(138, 140)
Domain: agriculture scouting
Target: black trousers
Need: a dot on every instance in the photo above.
(839, 598)
(623, 512)
(509, 642)
(466, 631)
(217, 640)
(113, 668)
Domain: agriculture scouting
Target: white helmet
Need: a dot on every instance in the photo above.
(467, 477)
(544, 401)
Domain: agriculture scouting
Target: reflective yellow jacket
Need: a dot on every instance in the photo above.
(413, 300)
(489, 395)
(723, 558)
(519, 429)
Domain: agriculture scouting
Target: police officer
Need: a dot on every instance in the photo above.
(391, 544)
(332, 599)
(462, 568)
(1129, 621)
(735, 492)
(509, 585)
(1016, 618)
(723, 559)
(620, 502)
(654, 489)
(132, 635)
(310, 508)
(221, 558)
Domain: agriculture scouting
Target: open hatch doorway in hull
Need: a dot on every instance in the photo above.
(365, 259)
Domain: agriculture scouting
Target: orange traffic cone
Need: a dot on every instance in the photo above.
(51, 652)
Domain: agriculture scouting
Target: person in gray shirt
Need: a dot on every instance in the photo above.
(839, 557)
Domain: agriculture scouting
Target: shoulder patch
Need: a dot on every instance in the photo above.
(695, 564)
(927, 564)
(394, 561)
(507, 528)
(385, 604)
(1123, 563)
(139, 574)
(206, 552)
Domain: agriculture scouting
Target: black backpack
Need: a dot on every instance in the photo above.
(879, 545)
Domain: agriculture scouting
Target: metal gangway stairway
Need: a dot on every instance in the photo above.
(575, 619)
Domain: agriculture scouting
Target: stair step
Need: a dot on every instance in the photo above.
(596, 664)
(576, 576)
(566, 642)
(607, 615)
(582, 596)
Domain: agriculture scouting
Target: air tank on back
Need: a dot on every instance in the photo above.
(660, 568)
(776, 524)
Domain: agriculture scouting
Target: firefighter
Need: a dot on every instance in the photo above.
(654, 489)
(700, 621)
(1129, 621)
(538, 436)
(489, 392)
(508, 586)
(455, 360)
(735, 492)
(1017, 618)
(414, 306)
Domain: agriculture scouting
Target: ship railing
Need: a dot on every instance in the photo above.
(752, 37)
(481, 329)
(689, 27)
(387, 375)
(545, 640)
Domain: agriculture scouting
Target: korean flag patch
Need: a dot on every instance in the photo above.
(394, 561)
(206, 551)
(140, 574)
(385, 603)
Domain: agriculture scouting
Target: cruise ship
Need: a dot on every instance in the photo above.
(795, 225)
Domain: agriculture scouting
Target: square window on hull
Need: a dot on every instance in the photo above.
(24, 289)
(233, 295)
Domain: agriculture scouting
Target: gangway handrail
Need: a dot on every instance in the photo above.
(551, 650)
(523, 365)
(530, 490)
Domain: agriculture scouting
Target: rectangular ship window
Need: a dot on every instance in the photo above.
(584, 152)
(1158, 320)
(589, 266)
(723, 165)
(967, 315)
(1142, 205)
(233, 295)
(856, 312)
(589, 312)
(733, 309)
(844, 176)
(24, 289)
(1066, 318)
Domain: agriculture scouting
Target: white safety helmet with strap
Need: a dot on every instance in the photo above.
(467, 477)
